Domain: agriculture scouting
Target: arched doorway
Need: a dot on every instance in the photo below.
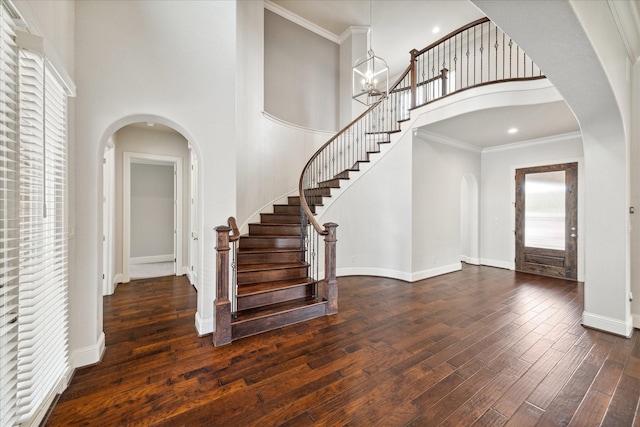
(151, 149)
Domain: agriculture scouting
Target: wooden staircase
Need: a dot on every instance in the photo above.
(274, 285)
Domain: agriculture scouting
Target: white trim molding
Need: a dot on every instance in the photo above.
(378, 272)
(204, 326)
(498, 263)
(151, 259)
(607, 324)
(636, 320)
(296, 19)
(433, 272)
(88, 355)
(470, 260)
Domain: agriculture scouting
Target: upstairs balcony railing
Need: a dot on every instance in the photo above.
(477, 54)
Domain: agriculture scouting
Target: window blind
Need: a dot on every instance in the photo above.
(43, 304)
(9, 220)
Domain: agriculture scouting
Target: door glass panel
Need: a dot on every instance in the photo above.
(544, 225)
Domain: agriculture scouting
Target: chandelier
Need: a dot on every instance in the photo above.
(370, 81)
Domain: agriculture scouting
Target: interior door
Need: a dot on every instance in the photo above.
(547, 220)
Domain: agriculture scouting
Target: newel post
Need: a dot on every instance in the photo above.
(330, 289)
(412, 71)
(222, 305)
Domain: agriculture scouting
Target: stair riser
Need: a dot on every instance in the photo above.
(273, 297)
(245, 277)
(274, 230)
(280, 218)
(270, 242)
(287, 209)
(270, 257)
(256, 326)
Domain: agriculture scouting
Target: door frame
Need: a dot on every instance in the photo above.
(581, 200)
(132, 157)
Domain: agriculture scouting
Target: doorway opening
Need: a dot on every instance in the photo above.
(547, 220)
(152, 215)
(150, 204)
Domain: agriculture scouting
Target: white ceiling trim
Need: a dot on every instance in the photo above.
(296, 19)
(441, 139)
(627, 18)
(533, 142)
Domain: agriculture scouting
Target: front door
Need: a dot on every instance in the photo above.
(547, 220)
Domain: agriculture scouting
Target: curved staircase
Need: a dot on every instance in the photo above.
(275, 283)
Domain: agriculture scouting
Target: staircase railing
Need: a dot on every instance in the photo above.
(477, 54)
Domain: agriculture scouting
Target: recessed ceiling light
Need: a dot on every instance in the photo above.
(151, 124)
(513, 130)
(435, 30)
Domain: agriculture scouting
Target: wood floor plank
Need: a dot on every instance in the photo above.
(482, 347)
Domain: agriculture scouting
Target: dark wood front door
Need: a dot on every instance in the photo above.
(547, 220)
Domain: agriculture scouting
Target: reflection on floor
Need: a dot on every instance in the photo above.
(154, 269)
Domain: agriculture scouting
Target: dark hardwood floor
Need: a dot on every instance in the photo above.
(480, 347)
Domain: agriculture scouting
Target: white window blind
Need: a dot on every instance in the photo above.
(43, 304)
(9, 220)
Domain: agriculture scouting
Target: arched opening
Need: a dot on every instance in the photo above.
(469, 207)
(150, 224)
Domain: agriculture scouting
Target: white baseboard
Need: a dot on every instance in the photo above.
(183, 270)
(150, 259)
(470, 260)
(203, 326)
(379, 272)
(88, 355)
(437, 271)
(607, 324)
(498, 263)
(636, 320)
(43, 409)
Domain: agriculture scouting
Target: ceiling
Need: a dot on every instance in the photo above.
(402, 25)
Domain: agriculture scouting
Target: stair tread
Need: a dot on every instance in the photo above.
(266, 250)
(244, 268)
(265, 311)
(256, 288)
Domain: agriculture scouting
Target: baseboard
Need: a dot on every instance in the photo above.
(636, 320)
(88, 355)
(498, 263)
(378, 272)
(183, 270)
(203, 326)
(470, 260)
(437, 271)
(151, 259)
(41, 413)
(607, 324)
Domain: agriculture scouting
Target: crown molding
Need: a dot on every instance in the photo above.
(441, 139)
(296, 19)
(354, 29)
(534, 142)
(627, 18)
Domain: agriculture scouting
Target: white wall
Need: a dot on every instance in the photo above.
(374, 218)
(438, 172)
(271, 151)
(301, 74)
(147, 140)
(176, 63)
(152, 205)
(497, 189)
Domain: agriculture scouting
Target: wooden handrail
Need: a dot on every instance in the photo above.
(451, 35)
(234, 229)
(303, 201)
